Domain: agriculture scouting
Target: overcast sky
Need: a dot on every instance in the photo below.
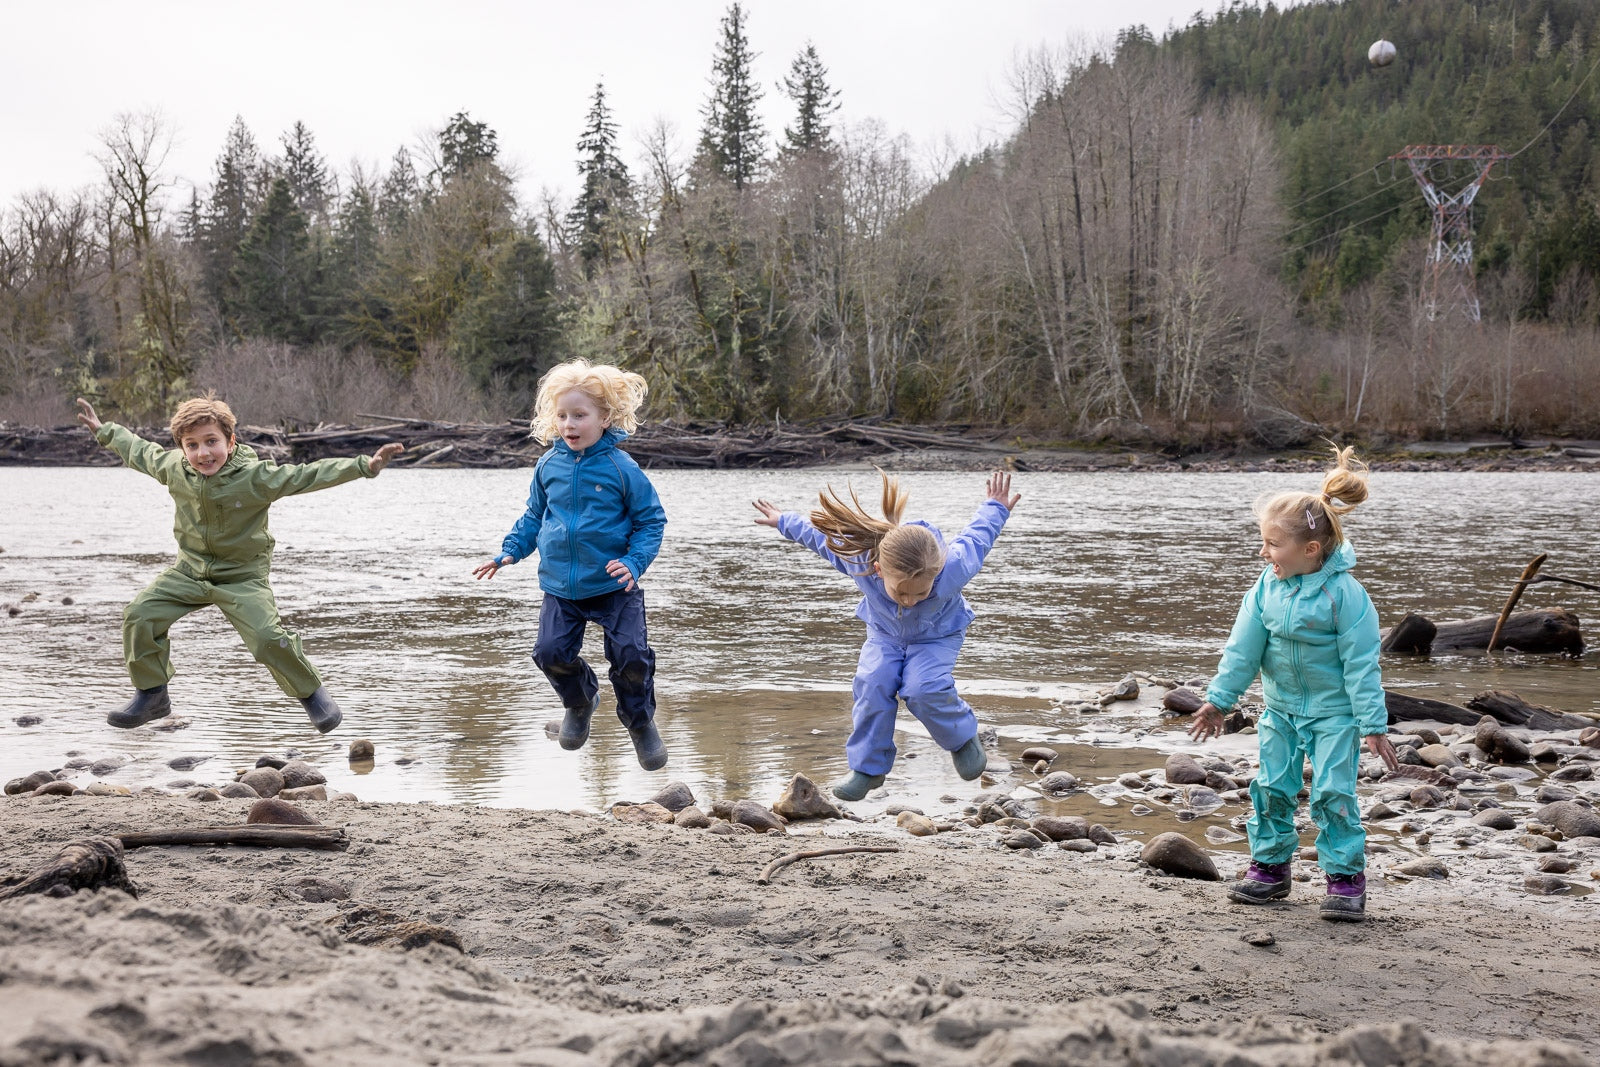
(366, 77)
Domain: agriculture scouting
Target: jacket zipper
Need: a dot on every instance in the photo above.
(572, 537)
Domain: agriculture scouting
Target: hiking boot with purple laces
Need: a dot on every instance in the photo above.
(1346, 901)
(1263, 882)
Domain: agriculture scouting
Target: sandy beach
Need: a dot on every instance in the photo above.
(584, 940)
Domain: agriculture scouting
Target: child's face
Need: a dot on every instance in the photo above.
(905, 591)
(1288, 556)
(579, 420)
(206, 448)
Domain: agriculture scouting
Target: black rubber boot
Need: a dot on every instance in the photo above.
(575, 725)
(324, 713)
(1262, 883)
(647, 743)
(146, 706)
(856, 785)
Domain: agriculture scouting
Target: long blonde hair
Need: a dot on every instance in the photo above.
(1318, 516)
(616, 392)
(905, 550)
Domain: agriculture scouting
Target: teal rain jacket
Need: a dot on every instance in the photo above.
(586, 509)
(1313, 639)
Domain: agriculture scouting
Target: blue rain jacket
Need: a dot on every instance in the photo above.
(945, 612)
(1313, 638)
(586, 509)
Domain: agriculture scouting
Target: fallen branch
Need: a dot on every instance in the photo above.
(332, 837)
(1516, 594)
(795, 857)
(92, 863)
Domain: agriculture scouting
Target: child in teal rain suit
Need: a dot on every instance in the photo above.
(916, 617)
(1310, 630)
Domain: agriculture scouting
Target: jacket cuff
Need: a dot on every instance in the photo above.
(365, 465)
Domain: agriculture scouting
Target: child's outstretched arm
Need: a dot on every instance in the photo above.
(1241, 662)
(275, 481)
(796, 527)
(971, 547)
(523, 539)
(146, 457)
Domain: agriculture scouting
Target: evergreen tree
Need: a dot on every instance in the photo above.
(605, 184)
(305, 169)
(464, 144)
(275, 271)
(807, 86)
(236, 192)
(399, 194)
(731, 140)
(510, 332)
(353, 259)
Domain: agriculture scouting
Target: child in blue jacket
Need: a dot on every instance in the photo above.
(596, 522)
(916, 619)
(1310, 630)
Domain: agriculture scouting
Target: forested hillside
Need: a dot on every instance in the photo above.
(1188, 238)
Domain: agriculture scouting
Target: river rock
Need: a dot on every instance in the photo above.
(275, 762)
(1022, 839)
(28, 720)
(238, 791)
(1182, 701)
(297, 774)
(1182, 769)
(1573, 772)
(1553, 864)
(897, 807)
(802, 800)
(107, 765)
(1132, 781)
(691, 818)
(1590, 737)
(1039, 752)
(1176, 854)
(106, 789)
(1259, 938)
(1424, 867)
(916, 824)
(317, 890)
(1100, 835)
(206, 794)
(1127, 689)
(1497, 743)
(1546, 884)
(1202, 799)
(1550, 794)
(723, 828)
(1061, 827)
(722, 809)
(182, 783)
(640, 814)
(186, 763)
(55, 788)
(266, 781)
(1436, 755)
(1536, 843)
(1221, 835)
(1495, 819)
(675, 797)
(30, 783)
(305, 792)
(1427, 796)
(758, 818)
(1011, 822)
(1380, 810)
(1571, 818)
(361, 751)
(274, 812)
(1544, 752)
(1058, 782)
(1078, 844)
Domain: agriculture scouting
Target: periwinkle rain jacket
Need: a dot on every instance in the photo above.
(585, 510)
(220, 521)
(1314, 640)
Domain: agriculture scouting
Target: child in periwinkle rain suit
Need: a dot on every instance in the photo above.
(1310, 630)
(221, 493)
(916, 619)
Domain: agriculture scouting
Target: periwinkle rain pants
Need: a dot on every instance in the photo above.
(922, 674)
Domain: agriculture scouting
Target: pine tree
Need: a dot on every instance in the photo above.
(510, 332)
(236, 192)
(807, 86)
(274, 271)
(306, 170)
(464, 144)
(399, 194)
(606, 185)
(731, 141)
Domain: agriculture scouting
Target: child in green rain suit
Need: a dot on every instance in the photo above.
(221, 493)
(1310, 630)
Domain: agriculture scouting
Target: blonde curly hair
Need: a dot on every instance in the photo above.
(1318, 516)
(616, 392)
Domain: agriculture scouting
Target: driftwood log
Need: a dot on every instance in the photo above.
(257, 835)
(1543, 631)
(93, 863)
(1512, 710)
(1404, 708)
(795, 857)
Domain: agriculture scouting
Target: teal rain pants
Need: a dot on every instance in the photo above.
(247, 604)
(1334, 745)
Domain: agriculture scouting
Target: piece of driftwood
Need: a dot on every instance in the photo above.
(93, 863)
(1516, 594)
(1547, 630)
(795, 857)
(1403, 708)
(258, 835)
(1512, 710)
(1412, 634)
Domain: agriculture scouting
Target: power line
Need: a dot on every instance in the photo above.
(1346, 229)
(1592, 68)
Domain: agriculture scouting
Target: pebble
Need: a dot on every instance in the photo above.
(802, 800)
(1573, 772)
(1427, 796)
(641, 814)
(754, 815)
(361, 751)
(275, 762)
(1497, 743)
(691, 818)
(1176, 854)
(238, 791)
(106, 789)
(1549, 794)
(1131, 781)
(30, 783)
(1553, 864)
(1495, 819)
(1221, 835)
(1536, 843)
(916, 824)
(304, 792)
(1039, 752)
(1571, 818)
(896, 808)
(55, 789)
(297, 774)
(186, 763)
(108, 765)
(1437, 755)
(1259, 938)
(1100, 835)
(1424, 867)
(1078, 845)
(1380, 810)
(1058, 782)
(1062, 827)
(1022, 839)
(206, 794)
(274, 812)
(1182, 769)
(266, 781)
(1127, 689)
(28, 720)
(1546, 884)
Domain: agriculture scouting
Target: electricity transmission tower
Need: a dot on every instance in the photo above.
(1447, 282)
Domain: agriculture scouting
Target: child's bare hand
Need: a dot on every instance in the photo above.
(1380, 745)
(1207, 722)
(488, 570)
(1000, 490)
(380, 459)
(87, 416)
(619, 570)
(769, 514)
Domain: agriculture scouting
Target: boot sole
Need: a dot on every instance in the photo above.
(1343, 916)
(328, 724)
(1240, 898)
(138, 722)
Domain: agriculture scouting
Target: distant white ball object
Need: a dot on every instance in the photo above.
(1381, 54)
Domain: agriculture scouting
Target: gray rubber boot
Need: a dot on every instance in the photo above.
(146, 706)
(970, 759)
(649, 747)
(575, 725)
(856, 785)
(321, 709)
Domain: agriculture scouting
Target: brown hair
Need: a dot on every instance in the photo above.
(908, 551)
(1317, 516)
(196, 412)
(616, 392)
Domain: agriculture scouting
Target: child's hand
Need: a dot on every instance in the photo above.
(1380, 745)
(380, 459)
(1207, 723)
(1000, 490)
(487, 570)
(87, 416)
(619, 570)
(769, 514)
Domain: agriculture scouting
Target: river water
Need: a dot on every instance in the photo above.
(1096, 575)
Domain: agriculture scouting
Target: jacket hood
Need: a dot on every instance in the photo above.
(1338, 562)
(608, 440)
